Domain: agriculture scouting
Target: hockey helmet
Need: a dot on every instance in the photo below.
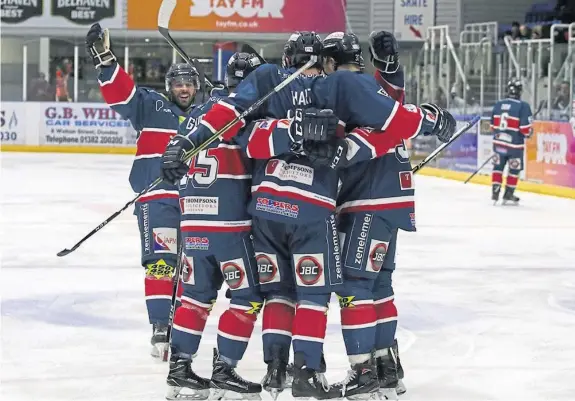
(300, 48)
(343, 48)
(240, 66)
(182, 72)
(514, 88)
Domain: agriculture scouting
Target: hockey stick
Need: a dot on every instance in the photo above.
(440, 149)
(193, 153)
(479, 169)
(175, 287)
(164, 14)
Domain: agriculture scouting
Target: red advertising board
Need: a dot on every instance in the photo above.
(551, 154)
(261, 16)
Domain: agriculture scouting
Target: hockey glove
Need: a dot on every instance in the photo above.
(331, 154)
(173, 166)
(383, 50)
(445, 125)
(313, 125)
(99, 46)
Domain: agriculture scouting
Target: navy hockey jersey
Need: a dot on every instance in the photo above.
(154, 117)
(215, 192)
(384, 185)
(285, 186)
(511, 121)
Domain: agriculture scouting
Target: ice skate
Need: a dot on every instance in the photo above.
(159, 340)
(388, 375)
(495, 190)
(400, 388)
(275, 379)
(183, 383)
(289, 375)
(509, 196)
(309, 383)
(361, 382)
(226, 384)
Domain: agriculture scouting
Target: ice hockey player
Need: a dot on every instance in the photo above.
(156, 117)
(296, 95)
(376, 199)
(511, 121)
(215, 228)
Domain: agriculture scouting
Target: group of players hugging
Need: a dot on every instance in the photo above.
(302, 199)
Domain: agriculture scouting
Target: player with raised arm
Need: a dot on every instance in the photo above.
(376, 199)
(511, 124)
(215, 229)
(156, 117)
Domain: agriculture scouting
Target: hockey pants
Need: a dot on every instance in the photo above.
(203, 275)
(299, 267)
(159, 223)
(368, 313)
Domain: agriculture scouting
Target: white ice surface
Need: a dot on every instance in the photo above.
(486, 295)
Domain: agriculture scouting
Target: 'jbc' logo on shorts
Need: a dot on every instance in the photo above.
(309, 269)
(234, 272)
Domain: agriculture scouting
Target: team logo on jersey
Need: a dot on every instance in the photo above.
(188, 270)
(405, 180)
(234, 273)
(267, 268)
(165, 240)
(377, 252)
(309, 269)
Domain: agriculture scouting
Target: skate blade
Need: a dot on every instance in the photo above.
(400, 388)
(365, 396)
(174, 393)
(159, 351)
(388, 394)
(274, 393)
(221, 394)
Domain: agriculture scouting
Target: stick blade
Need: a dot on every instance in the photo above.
(64, 252)
(165, 13)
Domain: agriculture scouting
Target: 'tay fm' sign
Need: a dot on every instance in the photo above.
(242, 15)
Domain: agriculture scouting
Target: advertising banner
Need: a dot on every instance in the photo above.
(13, 119)
(263, 16)
(411, 18)
(62, 13)
(551, 154)
(461, 155)
(84, 124)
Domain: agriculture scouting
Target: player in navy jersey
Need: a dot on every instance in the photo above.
(376, 199)
(156, 117)
(511, 124)
(215, 228)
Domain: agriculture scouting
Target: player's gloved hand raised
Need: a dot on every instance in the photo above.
(99, 46)
(444, 125)
(313, 125)
(383, 50)
(174, 165)
(332, 153)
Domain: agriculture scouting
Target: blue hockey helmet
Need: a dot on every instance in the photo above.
(300, 48)
(240, 66)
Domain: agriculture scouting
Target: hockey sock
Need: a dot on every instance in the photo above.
(158, 290)
(234, 331)
(309, 327)
(189, 323)
(358, 326)
(277, 322)
(511, 181)
(496, 177)
(386, 323)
